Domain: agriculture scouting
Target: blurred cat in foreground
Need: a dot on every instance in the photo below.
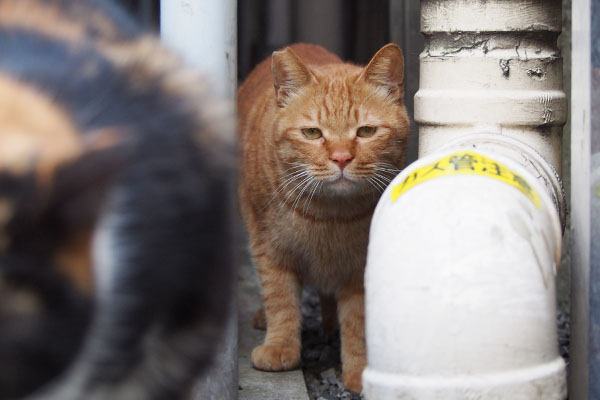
(115, 264)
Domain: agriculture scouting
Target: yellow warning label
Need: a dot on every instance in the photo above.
(466, 163)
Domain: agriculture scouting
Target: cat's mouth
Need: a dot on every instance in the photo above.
(344, 182)
(341, 177)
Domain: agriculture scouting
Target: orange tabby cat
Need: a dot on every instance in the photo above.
(319, 141)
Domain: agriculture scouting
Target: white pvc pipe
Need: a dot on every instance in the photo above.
(460, 283)
(205, 34)
(465, 243)
(491, 63)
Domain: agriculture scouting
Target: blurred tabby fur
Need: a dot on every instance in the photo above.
(114, 208)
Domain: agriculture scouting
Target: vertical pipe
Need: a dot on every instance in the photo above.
(205, 33)
(594, 328)
(493, 64)
(465, 242)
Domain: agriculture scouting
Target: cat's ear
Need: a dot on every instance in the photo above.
(290, 74)
(386, 70)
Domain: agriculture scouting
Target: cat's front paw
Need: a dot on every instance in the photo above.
(353, 380)
(275, 358)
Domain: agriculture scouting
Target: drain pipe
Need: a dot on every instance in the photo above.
(205, 34)
(465, 242)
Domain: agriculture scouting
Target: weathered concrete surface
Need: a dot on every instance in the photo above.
(254, 384)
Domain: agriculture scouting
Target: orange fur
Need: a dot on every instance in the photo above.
(50, 138)
(307, 202)
(71, 23)
(74, 260)
(41, 145)
(259, 321)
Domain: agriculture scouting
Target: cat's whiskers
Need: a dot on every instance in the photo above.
(300, 175)
(387, 166)
(288, 178)
(388, 170)
(299, 196)
(378, 175)
(295, 165)
(388, 175)
(375, 184)
(382, 180)
(298, 186)
(303, 175)
(317, 184)
(294, 168)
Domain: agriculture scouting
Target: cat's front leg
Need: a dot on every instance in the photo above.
(351, 312)
(281, 288)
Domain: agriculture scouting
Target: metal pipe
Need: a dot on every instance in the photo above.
(465, 242)
(584, 353)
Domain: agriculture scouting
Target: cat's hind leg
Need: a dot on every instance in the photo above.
(281, 288)
(351, 311)
(259, 321)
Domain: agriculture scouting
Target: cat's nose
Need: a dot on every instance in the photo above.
(341, 158)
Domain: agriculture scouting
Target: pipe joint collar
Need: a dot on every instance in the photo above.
(527, 157)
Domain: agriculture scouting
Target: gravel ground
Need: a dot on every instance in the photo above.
(321, 352)
(563, 322)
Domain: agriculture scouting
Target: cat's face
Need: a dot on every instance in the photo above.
(340, 130)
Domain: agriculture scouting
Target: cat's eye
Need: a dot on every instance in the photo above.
(366, 131)
(312, 133)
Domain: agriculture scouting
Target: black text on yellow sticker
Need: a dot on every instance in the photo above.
(466, 163)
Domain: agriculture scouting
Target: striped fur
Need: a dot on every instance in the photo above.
(307, 203)
(115, 239)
